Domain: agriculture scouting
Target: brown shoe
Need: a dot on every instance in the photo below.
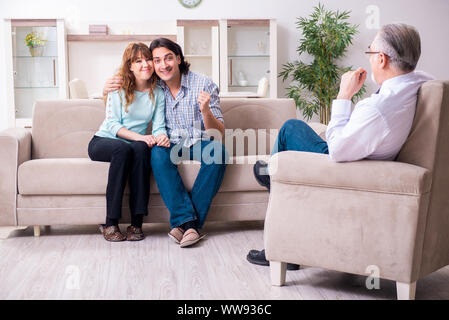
(176, 234)
(112, 233)
(134, 234)
(190, 237)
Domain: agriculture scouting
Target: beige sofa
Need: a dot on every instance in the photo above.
(46, 177)
(386, 217)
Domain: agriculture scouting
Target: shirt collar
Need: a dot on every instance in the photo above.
(184, 82)
(162, 84)
(392, 82)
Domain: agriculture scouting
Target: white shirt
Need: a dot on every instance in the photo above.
(379, 125)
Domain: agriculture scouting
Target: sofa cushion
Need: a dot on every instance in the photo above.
(81, 176)
(63, 128)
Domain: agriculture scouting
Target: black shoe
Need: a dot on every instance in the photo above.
(258, 257)
(260, 170)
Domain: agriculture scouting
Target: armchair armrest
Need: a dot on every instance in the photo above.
(319, 128)
(313, 169)
(15, 146)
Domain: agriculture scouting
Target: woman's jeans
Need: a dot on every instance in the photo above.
(185, 206)
(127, 160)
(296, 135)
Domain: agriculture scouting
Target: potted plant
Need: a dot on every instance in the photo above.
(326, 36)
(35, 43)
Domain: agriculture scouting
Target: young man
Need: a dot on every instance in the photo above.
(379, 125)
(192, 107)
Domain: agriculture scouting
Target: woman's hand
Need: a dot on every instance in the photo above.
(150, 140)
(163, 141)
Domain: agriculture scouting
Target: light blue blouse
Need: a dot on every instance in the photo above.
(139, 114)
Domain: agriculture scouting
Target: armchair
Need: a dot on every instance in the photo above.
(347, 217)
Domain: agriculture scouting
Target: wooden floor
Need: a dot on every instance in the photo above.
(75, 262)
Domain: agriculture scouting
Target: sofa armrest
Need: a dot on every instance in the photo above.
(15, 146)
(318, 170)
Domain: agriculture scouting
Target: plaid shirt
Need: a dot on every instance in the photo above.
(183, 118)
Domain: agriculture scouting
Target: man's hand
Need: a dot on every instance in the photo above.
(163, 141)
(351, 82)
(112, 84)
(204, 100)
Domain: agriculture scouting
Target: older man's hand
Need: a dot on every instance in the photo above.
(351, 82)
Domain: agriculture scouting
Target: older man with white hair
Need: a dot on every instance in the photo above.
(378, 126)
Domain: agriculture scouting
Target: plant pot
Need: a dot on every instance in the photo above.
(36, 51)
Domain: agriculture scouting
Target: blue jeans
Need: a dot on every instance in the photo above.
(185, 206)
(296, 135)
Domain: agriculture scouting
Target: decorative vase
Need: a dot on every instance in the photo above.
(36, 51)
(242, 79)
(262, 88)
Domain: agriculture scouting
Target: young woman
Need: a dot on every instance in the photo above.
(122, 140)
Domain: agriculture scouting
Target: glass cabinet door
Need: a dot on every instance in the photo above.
(199, 40)
(249, 57)
(34, 67)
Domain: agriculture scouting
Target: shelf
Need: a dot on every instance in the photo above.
(197, 56)
(37, 87)
(197, 23)
(35, 57)
(239, 86)
(248, 22)
(117, 37)
(248, 56)
(239, 94)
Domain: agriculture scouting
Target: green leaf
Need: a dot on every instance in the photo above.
(326, 36)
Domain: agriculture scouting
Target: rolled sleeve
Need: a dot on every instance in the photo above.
(114, 113)
(215, 108)
(158, 119)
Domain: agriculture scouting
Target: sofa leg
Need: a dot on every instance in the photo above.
(37, 231)
(406, 291)
(6, 231)
(278, 271)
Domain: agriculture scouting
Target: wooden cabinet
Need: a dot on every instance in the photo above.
(34, 73)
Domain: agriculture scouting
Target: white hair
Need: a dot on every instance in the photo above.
(401, 43)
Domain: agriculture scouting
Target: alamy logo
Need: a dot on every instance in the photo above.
(372, 21)
(237, 143)
(373, 280)
(72, 281)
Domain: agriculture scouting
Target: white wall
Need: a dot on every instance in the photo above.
(430, 17)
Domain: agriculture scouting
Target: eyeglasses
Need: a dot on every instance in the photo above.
(375, 52)
(371, 52)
